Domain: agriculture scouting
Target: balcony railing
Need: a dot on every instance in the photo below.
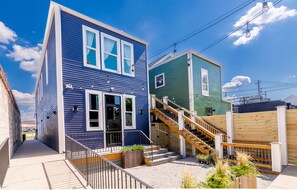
(99, 172)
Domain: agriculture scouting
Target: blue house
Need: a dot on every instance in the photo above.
(93, 79)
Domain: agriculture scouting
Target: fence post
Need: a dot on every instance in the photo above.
(194, 113)
(218, 145)
(230, 130)
(153, 101)
(282, 132)
(165, 101)
(276, 157)
(87, 166)
(182, 141)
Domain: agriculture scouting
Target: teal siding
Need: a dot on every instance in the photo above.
(214, 100)
(176, 81)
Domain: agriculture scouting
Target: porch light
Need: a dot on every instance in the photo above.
(141, 111)
(265, 7)
(108, 81)
(75, 108)
(111, 89)
(247, 31)
(142, 88)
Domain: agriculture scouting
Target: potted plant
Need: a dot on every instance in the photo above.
(245, 171)
(219, 177)
(132, 156)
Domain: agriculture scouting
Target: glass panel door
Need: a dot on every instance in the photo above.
(113, 120)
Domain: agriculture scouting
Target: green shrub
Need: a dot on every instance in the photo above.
(188, 181)
(244, 165)
(133, 148)
(207, 159)
(219, 177)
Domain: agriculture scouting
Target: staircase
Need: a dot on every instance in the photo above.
(195, 130)
(160, 156)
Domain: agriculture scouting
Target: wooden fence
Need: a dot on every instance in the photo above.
(218, 121)
(292, 136)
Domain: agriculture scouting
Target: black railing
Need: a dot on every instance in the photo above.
(99, 172)
(4, 160)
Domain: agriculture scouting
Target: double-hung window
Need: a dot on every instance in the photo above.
(93, 110)
(91, 47)
(159, 80)
(129, 112)
(204, 82)
(110, 53)
(127, 59)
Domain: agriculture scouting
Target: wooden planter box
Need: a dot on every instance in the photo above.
(245, 182)
(132, 158)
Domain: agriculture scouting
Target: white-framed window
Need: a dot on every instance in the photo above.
(91, 53)
(46, 68)
(204, 82)
(110, 53)
(129, 112)
(127, 58)
(160, 80)
(93, 110)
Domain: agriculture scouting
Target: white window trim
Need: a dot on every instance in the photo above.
(41, 86)
(132, 59)
(100, 127)
(46, 68)
(103, 35)
(84, 31)
(156, 81)
(133, 111)
(204, 92)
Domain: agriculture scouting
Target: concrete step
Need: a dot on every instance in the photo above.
(160, 151)
(165, 160)
(161, 155)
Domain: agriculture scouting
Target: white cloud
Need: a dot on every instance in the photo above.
(235, 83)
(3, 47)
(27, 101)
(274, 14)
(27, 56)
(6, 34)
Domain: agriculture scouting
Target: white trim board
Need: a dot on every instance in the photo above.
(60, 97)
(191, 81)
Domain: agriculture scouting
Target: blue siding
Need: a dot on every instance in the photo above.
(82, 77)
(48, 104)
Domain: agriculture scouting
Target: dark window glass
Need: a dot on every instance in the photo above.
(94, 104)
(94, 119)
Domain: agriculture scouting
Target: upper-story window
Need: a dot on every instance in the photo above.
(204, 82)
(110, 53)
(91, 47)
(159, 80)
(127, 59)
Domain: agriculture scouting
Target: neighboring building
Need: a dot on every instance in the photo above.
(258, 106)
(291, 101)
(190, 80)
(10, 120)
(28, 125)
(92, 80)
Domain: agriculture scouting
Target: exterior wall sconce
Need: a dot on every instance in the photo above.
(141, 112)
(111, 89)
(75, 108)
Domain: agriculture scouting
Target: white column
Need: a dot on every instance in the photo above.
(282, 132)
(182, 141)
(193, 127)
(230, 130)
(165, 101)
(153, 101)
(276, 157)
(218, 145)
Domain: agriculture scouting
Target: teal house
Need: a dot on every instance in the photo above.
(190, 80)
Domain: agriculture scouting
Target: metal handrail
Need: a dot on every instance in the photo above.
(109, 163)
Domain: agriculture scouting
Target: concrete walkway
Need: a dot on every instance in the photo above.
(36, 166)
(286, 180)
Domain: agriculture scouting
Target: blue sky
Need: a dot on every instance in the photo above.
(268, 55)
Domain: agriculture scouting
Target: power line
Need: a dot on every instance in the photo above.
(205, 27)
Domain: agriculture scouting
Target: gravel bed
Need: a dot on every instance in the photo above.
(169, 175)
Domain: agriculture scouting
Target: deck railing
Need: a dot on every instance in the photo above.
(4, 160)
(99, 172)
(261, 154)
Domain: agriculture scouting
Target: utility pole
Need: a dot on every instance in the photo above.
(259, 89)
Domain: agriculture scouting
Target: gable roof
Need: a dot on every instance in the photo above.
(169, 57)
